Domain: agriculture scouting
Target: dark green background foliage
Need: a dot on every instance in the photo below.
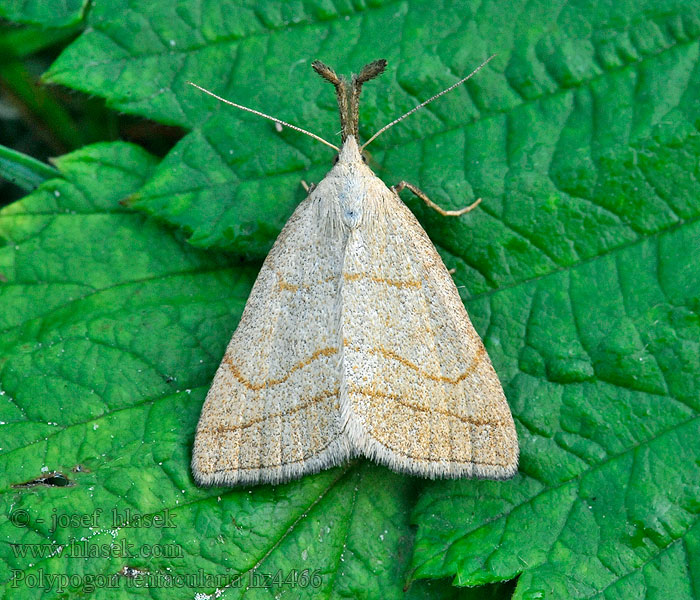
(122, 277)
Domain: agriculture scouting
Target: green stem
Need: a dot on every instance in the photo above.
(23, 170)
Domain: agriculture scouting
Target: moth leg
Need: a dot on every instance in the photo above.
(308, 188)
(445, 213)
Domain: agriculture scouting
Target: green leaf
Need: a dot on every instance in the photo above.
(23, 170)
(580, 269)
(40, 12)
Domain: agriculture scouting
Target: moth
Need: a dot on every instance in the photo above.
(354, 341)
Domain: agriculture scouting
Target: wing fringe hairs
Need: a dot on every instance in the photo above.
(354, 342)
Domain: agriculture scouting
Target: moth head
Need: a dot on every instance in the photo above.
(363, 156)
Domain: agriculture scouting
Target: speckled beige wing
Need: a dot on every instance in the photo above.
(419, 392)
(272, 412)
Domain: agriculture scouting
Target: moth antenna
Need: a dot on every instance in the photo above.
(260, 114)
(422, 104)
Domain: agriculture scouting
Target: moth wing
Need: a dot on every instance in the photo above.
(419, 392)
(273, 411)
